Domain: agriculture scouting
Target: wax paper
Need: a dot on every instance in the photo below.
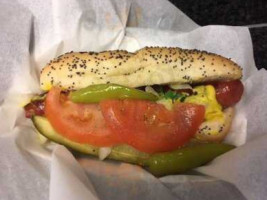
(33, 32)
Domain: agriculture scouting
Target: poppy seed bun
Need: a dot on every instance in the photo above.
(147, 66)
(221, 127)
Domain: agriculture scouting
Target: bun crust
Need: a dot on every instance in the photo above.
(148, 66)
(221, 127)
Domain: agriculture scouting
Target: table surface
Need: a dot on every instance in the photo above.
(250, 13)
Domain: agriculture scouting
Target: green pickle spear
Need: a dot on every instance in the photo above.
(97, 93)
(158, 164)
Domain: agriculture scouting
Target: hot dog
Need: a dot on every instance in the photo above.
(115, 98)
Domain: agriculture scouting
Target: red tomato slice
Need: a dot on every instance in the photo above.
(150, 127)
(229, 93)
(83, 123)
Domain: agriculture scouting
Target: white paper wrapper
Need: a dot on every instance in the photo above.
(33, 32)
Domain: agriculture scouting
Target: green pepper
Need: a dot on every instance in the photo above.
(174, 162)
(185, 158)
(97, 93)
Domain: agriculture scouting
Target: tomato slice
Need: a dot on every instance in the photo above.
(150, 127)
(228, 93)
(83, 123)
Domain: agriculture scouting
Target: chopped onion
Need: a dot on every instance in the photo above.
(167, 103)
(180, 86)
(149, 89)
(104, 152)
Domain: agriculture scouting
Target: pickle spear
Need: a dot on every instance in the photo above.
(158, 164)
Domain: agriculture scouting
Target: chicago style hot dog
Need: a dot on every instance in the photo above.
(158, 107)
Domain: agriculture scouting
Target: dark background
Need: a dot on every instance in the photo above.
(251, 13)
